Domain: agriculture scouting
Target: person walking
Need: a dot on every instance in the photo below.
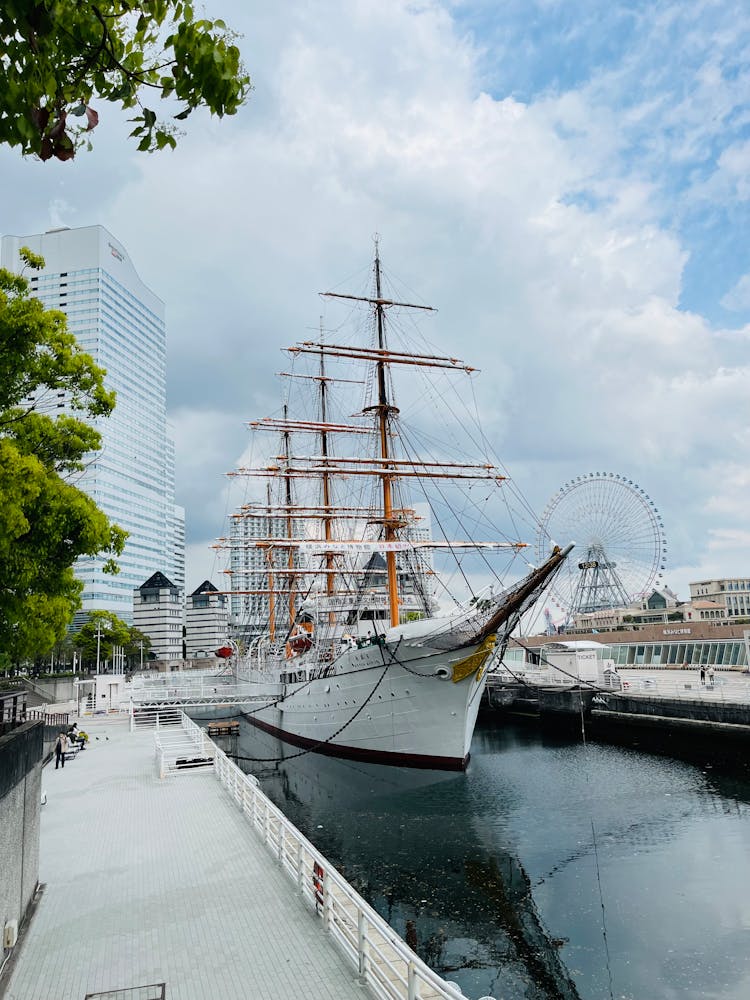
(60, 748)
(703, 675)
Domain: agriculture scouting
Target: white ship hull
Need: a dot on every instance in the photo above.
(385, 703)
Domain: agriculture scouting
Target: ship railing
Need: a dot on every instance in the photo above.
(383, 961)
(189, 691)
(194, 679)
(156, 679)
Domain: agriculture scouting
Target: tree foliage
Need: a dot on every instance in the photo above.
(59, 55)
(46, 522)
(104, 629)
(138, 646)
(111, 631)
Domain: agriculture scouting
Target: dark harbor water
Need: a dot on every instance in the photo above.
(504, 879)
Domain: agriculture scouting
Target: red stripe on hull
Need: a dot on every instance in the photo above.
(359, 753)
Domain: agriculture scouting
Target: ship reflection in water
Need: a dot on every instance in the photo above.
(493, 878)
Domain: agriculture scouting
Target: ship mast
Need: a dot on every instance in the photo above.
(383, 463)
(327, 534)
(383, 411)
(271, 581)
(289, 522)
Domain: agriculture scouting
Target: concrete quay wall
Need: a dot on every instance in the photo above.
(681, 728)
(724, 713)
(20, 805)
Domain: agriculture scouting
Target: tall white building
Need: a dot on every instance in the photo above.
(158, 613)
(206, 621)
(178, 537)
(119, 321)
(250, 572)
(250, 601)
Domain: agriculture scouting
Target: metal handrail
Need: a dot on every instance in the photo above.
(382, 959)
(173, 743)
(688, 689)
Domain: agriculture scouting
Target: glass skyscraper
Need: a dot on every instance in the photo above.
(119, 321)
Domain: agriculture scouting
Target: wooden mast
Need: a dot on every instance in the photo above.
(327, 532)
(383, 411)
(289, 524)
(271, 581)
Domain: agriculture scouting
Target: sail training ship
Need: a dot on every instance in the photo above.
(355, 659)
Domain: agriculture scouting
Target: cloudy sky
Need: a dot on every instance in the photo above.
(566, 180)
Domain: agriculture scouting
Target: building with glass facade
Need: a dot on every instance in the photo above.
(250, 607)
(119, 321)
(250, 573)
(670, 645)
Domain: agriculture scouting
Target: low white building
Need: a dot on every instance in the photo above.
(660, 605)
(732, 594)
(206, 621)
(157, 612)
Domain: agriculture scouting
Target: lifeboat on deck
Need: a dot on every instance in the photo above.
(300, 640)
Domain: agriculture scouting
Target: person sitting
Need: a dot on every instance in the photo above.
(74, 737)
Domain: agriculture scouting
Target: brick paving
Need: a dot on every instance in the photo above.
(152, 880)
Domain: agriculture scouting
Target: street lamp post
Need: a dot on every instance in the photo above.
(98, 643)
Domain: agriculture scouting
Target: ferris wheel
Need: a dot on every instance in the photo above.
(621, 548)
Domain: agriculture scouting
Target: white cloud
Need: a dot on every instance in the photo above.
(472, 196)
(535, 226)
(737, 298)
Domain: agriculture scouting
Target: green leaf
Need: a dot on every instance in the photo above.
(46, 522)
(58, 54)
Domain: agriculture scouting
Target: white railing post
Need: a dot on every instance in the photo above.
(362, 947)
(327, 902)
(411, 981)
(300, 874)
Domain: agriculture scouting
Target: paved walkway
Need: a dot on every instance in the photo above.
(151, 880)
(729, 685)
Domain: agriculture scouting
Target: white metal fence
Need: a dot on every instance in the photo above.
(153, 717)
(734, 688)
(382, 960)
(204, 689)
(180, 746)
